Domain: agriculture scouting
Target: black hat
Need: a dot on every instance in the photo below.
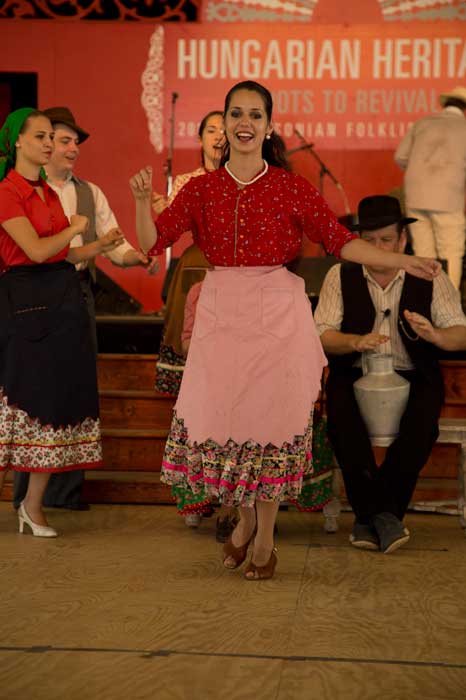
(62, 115)
(379, 211)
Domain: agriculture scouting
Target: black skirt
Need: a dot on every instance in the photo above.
(49, 412)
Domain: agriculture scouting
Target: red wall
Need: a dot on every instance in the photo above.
(95, 69)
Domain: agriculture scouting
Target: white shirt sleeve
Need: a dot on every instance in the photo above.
(329, 312)
(403, 151)
(446, 306)
(105, 220)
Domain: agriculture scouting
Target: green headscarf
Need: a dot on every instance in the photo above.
(8, 137)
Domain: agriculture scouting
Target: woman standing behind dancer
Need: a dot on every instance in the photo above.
(190, 269)
(242, 426)
(49, 414)
(171, 358)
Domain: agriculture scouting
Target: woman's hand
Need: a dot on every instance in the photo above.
(110, 241)
(81, 223)
(136, 257)
(159, 202)
(425, 268)
(141, 184)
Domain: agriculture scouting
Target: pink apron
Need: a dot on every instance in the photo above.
(255, 361)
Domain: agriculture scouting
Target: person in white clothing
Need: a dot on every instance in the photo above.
(79, 196)
(433, 154)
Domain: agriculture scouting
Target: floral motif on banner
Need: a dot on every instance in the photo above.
(152, 89)
(332, 11)
(161, 10)
(420, 10)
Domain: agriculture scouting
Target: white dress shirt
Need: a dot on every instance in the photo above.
(104, 218)
(446, 310)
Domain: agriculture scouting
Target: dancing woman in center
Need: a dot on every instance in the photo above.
(242, 425)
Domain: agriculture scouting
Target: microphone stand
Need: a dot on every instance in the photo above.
(169, 166)
(309, 148)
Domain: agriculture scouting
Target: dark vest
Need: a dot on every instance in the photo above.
(85, 206)
(359, 316)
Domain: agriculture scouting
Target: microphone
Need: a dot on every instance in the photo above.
(299, 148)
(299, 135)
(305, 144)
(386, 313)
(174, 97)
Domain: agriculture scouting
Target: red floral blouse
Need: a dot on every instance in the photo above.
(259, 224)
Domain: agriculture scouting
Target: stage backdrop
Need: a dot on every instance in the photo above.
(352, 91)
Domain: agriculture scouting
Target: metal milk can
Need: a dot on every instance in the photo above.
(381, 395)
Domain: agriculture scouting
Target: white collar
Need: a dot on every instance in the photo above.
(400, 275)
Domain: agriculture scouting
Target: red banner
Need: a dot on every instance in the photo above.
(354, 87)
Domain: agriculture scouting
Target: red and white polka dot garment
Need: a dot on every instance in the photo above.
(259, 224)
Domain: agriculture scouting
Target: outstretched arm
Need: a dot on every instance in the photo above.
(365, 253)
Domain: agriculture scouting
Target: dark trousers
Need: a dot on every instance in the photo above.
(389, 487)
(64, 489)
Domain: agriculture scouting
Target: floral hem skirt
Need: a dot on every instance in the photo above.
(49, 405)
(317, 488)
(237, 475)
(170, 368)
(189, 503)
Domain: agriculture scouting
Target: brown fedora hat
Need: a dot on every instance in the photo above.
(379, 211)
(62, 115)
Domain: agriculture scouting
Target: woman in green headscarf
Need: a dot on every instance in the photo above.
(48, 388)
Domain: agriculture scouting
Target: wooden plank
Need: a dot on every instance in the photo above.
(133, 453)
(131, 410)
(126, 371)
(454, 377)
(113, 491)
(436, 490)
(443, 460)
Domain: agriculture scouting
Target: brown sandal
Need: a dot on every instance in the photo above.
(239, 554)
(261, 572)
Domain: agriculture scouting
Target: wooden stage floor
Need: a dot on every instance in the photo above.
(129, 604)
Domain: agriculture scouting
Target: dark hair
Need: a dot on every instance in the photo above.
(202, 126)
(203, 123)
(273, 149)
(455, 102)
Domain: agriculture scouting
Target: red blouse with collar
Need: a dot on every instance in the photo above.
(260, 224)
(18, 198)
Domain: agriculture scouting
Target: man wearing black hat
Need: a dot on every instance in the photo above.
(78, 196)
(376, 309)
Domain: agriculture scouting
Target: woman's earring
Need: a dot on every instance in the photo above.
(268, 137)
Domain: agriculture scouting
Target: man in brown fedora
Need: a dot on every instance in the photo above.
(384, 310)
(84, 197)
(433, 154)
(78, 196)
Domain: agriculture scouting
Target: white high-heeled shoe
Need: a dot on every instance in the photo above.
(37, 530)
